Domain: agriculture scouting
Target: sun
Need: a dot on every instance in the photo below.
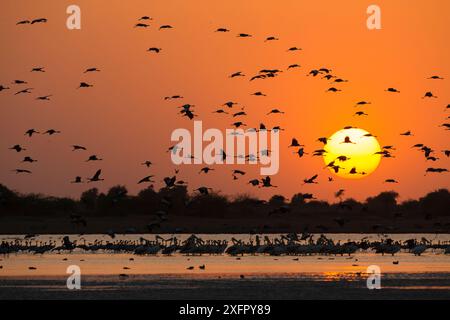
(352, 153)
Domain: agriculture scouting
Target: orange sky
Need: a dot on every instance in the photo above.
(125, 120)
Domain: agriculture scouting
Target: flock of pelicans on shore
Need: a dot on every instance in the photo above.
(290, 244)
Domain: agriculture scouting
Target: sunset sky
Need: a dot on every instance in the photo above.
(125, 120)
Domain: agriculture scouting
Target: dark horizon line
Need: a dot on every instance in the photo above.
(229, 198)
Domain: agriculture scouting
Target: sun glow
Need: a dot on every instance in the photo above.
(352, 153)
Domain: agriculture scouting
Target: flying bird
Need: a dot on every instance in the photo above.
(93, 158)
(154, 49)
(273, 111)
(27, 90)
(47, 98)
(91, 70)
(271, 38)
(85, 85)
(78, 147)
(141, 25)
(428, 94)
(165, 26)
(147, 163)
(17, 171)
(96, 177)
(30, 132)
(311, 180)
(295, 143)
(77, 180)
(392, 90)
(28, 159)
(237, 74)
(146, 179)
(40, 20)
(347, 140)
(51, 132)
(17, 148)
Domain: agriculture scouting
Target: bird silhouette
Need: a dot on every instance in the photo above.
(17, 148)
(238, 124)
(271, 38)
(51, 132)
(435, 170)
(240, 113)
(85, 85)
(91, 70)
(141, 25)
(38, 69)
(28, 159)
(392, 90)
(295, 143)
(292, 66)
(347, 140)
(147, 163)
(165, 26)
(77, 180)
(300, 152)
(220, 111)
(311, 180)
(27, 90)
(203, 190)
(154, 49)
(428, 94)
(40, 20)
(362, 103)
(333, 89)
(177, 96)
(237, 74)
(205, 170)
(258, 93)
(19, 82)
(96, 177)
(3, 88)
(30, 132)
(406, 133)
(146, 179)
(78, 147)
(222, 30)
(244, 35)
(47, 97)
(273, 111)
(93, 158)
(18, 171)
(266, 183)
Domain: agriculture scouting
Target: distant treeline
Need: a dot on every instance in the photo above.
(177, 201)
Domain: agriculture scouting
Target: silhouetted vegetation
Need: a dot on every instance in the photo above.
(177, 201)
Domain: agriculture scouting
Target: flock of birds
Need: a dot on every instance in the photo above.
(230, 108)
(289, 244)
